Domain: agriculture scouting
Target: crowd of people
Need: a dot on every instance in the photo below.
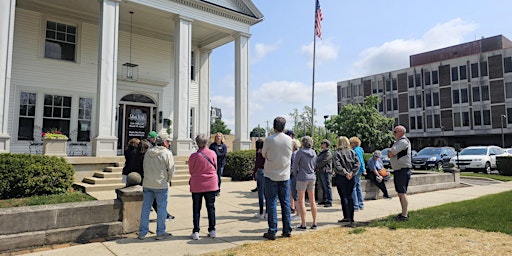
(285, 170)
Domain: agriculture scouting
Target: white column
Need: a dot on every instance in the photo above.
(7, 10)
(182, 143)
(242, 141)
(204, 91)
(105, 144)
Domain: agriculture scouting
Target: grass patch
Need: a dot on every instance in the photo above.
(490, 176)
(49, 199)
(489, 213)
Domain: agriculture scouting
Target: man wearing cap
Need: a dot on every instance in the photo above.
(323, 170)
(158, 172)
(152, 137)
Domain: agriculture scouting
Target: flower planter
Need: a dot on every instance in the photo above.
(55, 147)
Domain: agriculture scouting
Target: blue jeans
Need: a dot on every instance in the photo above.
(357, 194)
(220, 171)
(197, 202)
(324, 178)
(345, 188)
(260, 183)
(161, 198)
(273, 191)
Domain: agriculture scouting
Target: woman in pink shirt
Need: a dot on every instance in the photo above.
(202, 166)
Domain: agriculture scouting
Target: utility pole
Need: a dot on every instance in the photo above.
(268, 130)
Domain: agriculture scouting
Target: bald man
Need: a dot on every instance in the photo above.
(400, 158)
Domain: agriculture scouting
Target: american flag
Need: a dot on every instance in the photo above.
(318, 20)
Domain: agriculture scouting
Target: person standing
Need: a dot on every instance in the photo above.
(277, 151)
(221, 150)
(133, 159)
(304, 169)
(374, 165)
(324, 172)
(346, 166)
(257, 173)
(357, 194)
(158, 172)
(293, 182)
(202, 167)
(400, 157)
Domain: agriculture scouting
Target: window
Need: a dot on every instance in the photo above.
(477, 116)
(417, 80)
(437, 121)
(508, 90)
(483, 68)
(56, 113)
(485, 92)
(476, 94)
(429, 121)
(60, 42)
(455, 96)
(427, 78)
(380, 86)
(84, 119)
(487, 117)
(411, 81)
(455, 73)
(411, 101)
(474, 70)
(381, 106)
(464, 95)
(395, 84)
(419, 124)
(435, 97)
(435, 77)
(456, 119)
(192, 66)
(388, 85)
(509, 115)
(27, 114)
(465, 118)
(388, 104)
(418, 101)
(507, 63)
(428, 99)
(412, 122)
(395, 103)
(462, 70)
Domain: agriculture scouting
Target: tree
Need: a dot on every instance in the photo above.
(219, 126)
(302, 121)
(258, 132)
(365, 122)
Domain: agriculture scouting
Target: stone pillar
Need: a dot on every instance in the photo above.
(131, 198)
(7, 10)
(204, 91)
(182, 143)
(105, 142)
(242, 140)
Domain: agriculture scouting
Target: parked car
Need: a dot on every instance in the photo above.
(509, 151)
(432, 157)
(478, 158)
(385, 158)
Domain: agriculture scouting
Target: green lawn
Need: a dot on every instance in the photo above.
(490, 176)
(490, 213)
(42, 200)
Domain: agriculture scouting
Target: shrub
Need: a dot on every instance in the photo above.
(239, 165)
(24, 175)
(504, 164)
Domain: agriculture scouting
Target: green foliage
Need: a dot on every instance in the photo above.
(302, 121)
(70, 197)
(219, 126)
(504, 165)
(24, 175)
(258, 132)
(239, 165)
(365, 122)
(490, 213)
(485, 175)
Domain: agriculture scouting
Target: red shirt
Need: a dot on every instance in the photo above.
(203, 175)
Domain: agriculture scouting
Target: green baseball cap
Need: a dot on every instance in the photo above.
(152, 134)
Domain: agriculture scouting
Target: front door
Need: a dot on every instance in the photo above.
(137, 121)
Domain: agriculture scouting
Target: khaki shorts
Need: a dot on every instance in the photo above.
(305, 185)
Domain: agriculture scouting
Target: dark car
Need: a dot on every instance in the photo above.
(432, 157)
(385, 158)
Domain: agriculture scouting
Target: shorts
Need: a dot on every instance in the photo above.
(401, 179)
(306, 185)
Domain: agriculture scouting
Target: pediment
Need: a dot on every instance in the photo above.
(245, 7)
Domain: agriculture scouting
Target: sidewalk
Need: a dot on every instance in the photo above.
(235, 225)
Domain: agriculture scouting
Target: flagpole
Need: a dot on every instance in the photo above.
(313, 82)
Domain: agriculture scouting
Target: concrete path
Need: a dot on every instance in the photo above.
(235, 225)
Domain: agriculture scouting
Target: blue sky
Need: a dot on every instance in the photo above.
(358, 38)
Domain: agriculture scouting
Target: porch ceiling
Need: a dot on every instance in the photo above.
(146, 21)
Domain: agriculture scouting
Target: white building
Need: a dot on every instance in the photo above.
(104, 71)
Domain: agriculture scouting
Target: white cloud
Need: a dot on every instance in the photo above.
(325, 51)
(283, 92)
(394, 54)
(262, 50)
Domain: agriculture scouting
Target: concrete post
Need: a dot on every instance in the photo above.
(131, 198)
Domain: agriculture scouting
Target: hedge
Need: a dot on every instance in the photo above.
(25, 175)
(239, 165)
(504, 165)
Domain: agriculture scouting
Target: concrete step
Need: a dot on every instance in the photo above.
(113, 169)
(99, 187)
(107, 175)
(97, 181)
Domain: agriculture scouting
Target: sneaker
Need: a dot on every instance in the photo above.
(163, 236)
(301, 228)
(212, 234)
(314, 227)
(388, 197)
(343, 220)
(254, 190)
(400, 217)
(269, 236)
(286, 235)
(295, 217)
(141, 237)
(169, 217)
(321, 203)
(259, 215)
(327, 205)
(195, 236)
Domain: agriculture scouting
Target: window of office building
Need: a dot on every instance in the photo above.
(395, 103)
(388, 85)
(435, 77)
(485, 92)
(428, 99)
(455, 73)
(60, 41)
(388, 105)
(508, 90)
(437, 121)
(56, 113)
(395, 84)
(462, 72)
(476, 93)
(412, 122)
(487, 117)
(411, 101)
(427, 78)
(483, 68)
(455, 96)
(464, 95)
(477, 117)
(419, 122)
(474, 70)
(380, 86)
(410, 81)
(26, 116)
(456, 119)
(509, 115)
(435, 98)
(507, 64)
(418, 101)
(430, 123)
(417, 80)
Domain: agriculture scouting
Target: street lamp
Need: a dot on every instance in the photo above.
(502, 134)
(325, 121)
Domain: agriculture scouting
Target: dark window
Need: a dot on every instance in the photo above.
(463, 95)
(509, 115)
(427, 78)
(455, 73)
(192, 66)
(428, 100)
(395, 103)
(476, 94)
(508, 89)
(418, 101)
(485, 92)
(429, 121)
(388, 104)
(411, 81)
(462, 70)
(435, 99)
(456, 119)
(412, 122)
(388, 85)
(56, 113)
(507, 62)
(417, 79)
(84, 119)
(483, 68)
(437, 121)
(395, 84)
(419, 124)
(381, 106)
(477, 116)
(435, 77)
(487, 117)
(411, 101)
(474, 70)
(455, 94)
(60, 41)
(26, 116)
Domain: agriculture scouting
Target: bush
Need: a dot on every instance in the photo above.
(239, 165)
(24, 175)
(504, 164)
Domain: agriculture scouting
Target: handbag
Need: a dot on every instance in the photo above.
(383, 172)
